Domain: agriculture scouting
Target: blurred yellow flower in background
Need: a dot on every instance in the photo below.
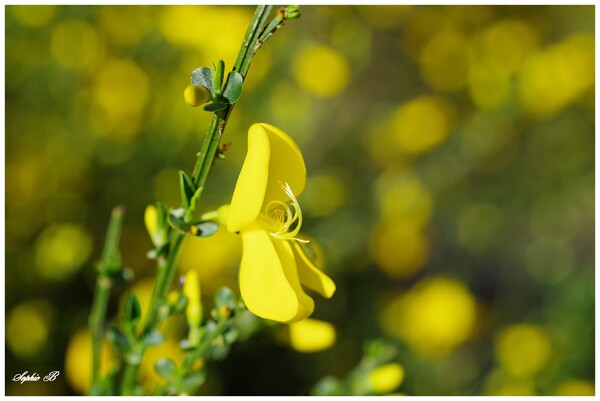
(523, 349)
(311, 335)
(28, 326)
(62, 249)
(35, 17)
(444, 61)
(321, 70)
(386, 378)
(433, 317)
(559, 74)
(78, 360)
(574, 387)
(194, 27)
(77, 45)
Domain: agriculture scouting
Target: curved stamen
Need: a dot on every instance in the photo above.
(281, 216)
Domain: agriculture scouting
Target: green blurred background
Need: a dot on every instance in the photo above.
(450, 157)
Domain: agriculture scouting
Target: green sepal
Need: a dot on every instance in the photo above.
(121, 276)
(186, 188)
(191, 210)
(217, 106)
(176, 220)
(233, 87)
(118, 339)
(153, 338)
(165, 367)
(203, 77)
(161, 223)
(132, 312)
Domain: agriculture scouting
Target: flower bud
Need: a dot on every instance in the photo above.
(196, 95)
(191, 289)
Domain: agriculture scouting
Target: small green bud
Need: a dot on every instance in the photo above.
(196, 95)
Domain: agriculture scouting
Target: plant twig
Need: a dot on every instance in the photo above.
(109, 262)
(204, 162)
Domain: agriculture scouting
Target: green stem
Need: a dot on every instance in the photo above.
(206, 157)
(109, 261)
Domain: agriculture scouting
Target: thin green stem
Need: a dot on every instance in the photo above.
(204, 162)
(109, 261)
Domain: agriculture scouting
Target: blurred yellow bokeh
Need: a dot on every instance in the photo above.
(558, 75)
(61, 249)
(433, 317)
(78, 360)
(386, 378)
(311, 335)
(400, 251)
(195, 27)
(321, 70)
(523, 349)
(28, 326)
(34, 16)
(121, 91)
(125, 25)
(324, 194)
(77, 45)
(421, 124)
(403, 197)
(574, 387)
(444, 61)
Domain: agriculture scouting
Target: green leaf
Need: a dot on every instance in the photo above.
(215, 106)
(118, 339)
(153, 338)
(203, 77)
(233, 87)
(165, 367)
(186, 188)
(231, 335)
(132, 311)
(192, 381)
(203, 229)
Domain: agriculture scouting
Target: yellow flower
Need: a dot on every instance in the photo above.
(264, 210)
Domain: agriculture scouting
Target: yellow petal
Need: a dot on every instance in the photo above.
(272, 157)
(311, 335)
(268, 279)
(310, 275)
(151, 219)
